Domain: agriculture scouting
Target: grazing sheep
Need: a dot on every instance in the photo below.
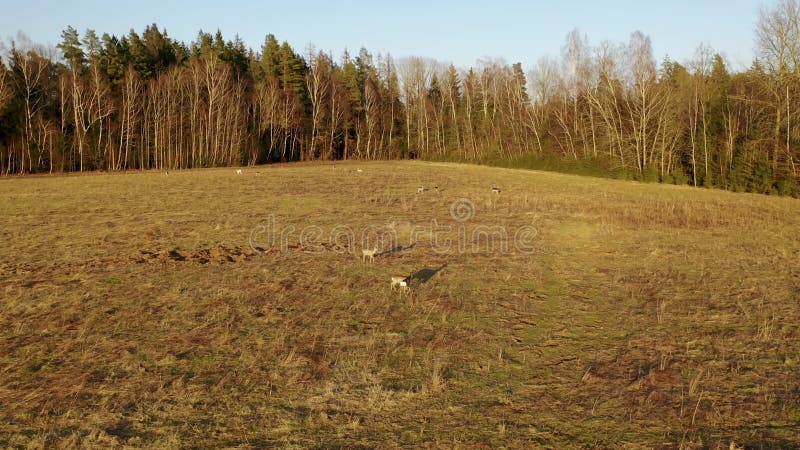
(238, 171)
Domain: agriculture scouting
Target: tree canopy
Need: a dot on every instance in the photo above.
(144, 100)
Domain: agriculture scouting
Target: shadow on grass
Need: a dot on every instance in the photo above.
(424, 275)
(397, 249)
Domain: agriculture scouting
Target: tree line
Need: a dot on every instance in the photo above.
(147, 101)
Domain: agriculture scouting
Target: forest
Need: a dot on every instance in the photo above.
(147, 101)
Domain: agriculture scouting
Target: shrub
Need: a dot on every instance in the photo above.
(786, 187)
(761, 179)
(650, 175)
(679, 177)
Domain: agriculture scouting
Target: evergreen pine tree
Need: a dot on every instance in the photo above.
(522, 84)
(115, 57)
(70, 47)
(270, 58)
(292, 71)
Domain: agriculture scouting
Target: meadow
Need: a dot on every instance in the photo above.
(207, 309)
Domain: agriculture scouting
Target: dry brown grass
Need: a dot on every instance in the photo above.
(134, 313)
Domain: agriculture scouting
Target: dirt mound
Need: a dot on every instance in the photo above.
(220, 254)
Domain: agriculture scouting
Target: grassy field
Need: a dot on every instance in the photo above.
(206, 309)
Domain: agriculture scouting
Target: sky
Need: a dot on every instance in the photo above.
(460, 32)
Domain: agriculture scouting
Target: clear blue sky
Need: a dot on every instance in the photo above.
(456, 31)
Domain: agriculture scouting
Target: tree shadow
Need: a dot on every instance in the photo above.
(424, 275)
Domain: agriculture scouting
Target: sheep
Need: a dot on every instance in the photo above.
(420, 189)
(238, 171)
(369, 253)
